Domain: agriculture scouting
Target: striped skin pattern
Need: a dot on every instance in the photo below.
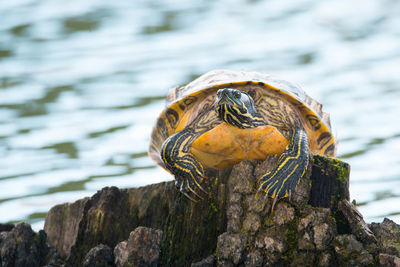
(278, 103)
(177, 157)
(275, 111)
(237, 108)
(187, 170)
(291, 166)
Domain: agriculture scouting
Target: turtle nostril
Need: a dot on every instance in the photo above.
(219, 92)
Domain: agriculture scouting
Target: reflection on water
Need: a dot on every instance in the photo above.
(80, 87)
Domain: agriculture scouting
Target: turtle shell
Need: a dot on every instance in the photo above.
(184, 104)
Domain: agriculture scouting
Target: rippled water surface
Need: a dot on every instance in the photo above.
(81, 83)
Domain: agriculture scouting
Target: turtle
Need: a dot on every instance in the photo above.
(224, 117)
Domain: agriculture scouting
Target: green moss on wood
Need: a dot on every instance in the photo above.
(291, 241)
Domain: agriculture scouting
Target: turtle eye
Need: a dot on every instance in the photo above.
(236, 94)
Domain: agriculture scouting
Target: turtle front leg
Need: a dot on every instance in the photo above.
(291, 166)
(181, 163)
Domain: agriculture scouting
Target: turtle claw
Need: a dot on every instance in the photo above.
(187, 195)
(291, 166)
(193, 191)
(274, 188)
(197, 181)
(187, 187)
(197, 195)
(184, 188)
(273, 204)
(202, 189)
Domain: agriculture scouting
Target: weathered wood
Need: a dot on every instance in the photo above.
(356, 222)
(330, 182)
(234, 222)
(5, 227)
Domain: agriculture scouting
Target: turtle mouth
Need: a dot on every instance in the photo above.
(220, 101)
(225, 108)
(221, 105)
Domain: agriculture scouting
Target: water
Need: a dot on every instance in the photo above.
(81, 84)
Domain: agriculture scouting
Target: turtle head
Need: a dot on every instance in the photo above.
(237, 108)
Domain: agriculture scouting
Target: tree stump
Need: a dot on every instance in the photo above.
(233, 225)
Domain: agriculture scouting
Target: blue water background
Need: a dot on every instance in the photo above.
(82, 82)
